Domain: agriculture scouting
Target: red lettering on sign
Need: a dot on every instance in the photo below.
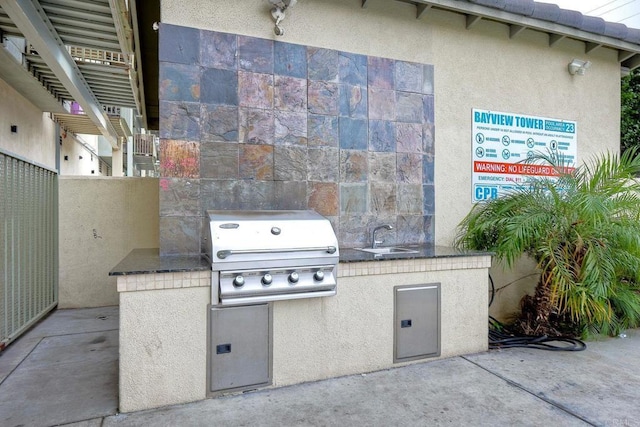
(517, 168)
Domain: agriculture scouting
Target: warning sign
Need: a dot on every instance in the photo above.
(503, 141)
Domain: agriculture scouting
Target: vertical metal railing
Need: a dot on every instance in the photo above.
(28, 245)
(144, 144)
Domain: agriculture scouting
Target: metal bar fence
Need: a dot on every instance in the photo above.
(28, 245)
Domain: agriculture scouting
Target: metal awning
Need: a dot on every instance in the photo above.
(78, 50)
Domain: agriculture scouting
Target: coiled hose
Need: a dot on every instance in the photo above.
(500, 337)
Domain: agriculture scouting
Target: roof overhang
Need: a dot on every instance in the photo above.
(628, 52)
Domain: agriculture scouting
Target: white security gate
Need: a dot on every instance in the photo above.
(28, 245)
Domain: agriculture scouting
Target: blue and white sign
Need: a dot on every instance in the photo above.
(501, 141)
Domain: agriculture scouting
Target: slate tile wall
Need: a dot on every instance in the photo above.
(248, 123)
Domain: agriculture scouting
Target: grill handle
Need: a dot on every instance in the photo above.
(226, 253)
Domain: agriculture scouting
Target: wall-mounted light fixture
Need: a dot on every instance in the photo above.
(14, 128)
(576, 66)
(277, 13)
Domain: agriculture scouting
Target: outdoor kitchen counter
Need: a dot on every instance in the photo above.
(149, 261)
(355, 255)
(165, 320)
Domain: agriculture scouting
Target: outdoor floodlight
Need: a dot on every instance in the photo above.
(578, 67)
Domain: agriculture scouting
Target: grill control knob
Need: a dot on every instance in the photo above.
(319, 276)
(267, 279)
(293, 277)
(238, 282)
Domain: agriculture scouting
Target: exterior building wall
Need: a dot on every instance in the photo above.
(509, 286)
(249, 123)
(76, 158)
(100, 221)
(35, 139)
(481, 67)
(521, 75)
(476, 68)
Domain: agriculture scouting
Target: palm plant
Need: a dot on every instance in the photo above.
(583, 230)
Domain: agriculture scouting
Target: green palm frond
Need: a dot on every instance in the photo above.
(582, 228)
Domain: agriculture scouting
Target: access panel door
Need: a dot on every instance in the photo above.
(417, 322)
(239, 347)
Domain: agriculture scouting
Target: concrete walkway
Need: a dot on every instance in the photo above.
(64, 371)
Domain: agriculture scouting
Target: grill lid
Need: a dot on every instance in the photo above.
(247, 236)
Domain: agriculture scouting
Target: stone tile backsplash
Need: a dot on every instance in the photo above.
(249, 123)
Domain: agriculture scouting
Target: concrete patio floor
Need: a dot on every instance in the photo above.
(65, 372)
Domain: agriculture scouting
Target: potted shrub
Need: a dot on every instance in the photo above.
(583, 231)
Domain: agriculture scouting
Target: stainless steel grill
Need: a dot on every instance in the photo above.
(260, 256)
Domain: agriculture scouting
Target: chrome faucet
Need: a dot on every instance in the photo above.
(374, 242)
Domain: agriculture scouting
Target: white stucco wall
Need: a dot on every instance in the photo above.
(77, 155)
(477, 68)
(100, 221)
(510, 285)
(353, 333)
(35, 139)
(163, 347)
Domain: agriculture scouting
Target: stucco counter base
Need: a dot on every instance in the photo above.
(163, 325)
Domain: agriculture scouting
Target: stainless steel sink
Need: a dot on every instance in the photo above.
(388, 250)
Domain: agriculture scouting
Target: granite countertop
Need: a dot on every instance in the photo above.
(354, 255)
(147, 261)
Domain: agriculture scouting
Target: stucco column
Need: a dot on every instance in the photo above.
(130, 147)
(116, 161)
